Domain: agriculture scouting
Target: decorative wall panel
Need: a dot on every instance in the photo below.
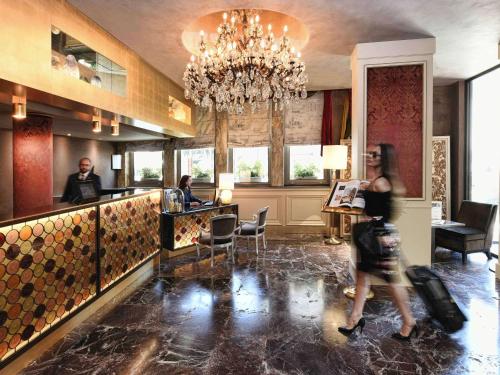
(395, 115)
(187, 227)
(47, 270)
(32, 148)
(129, 234)
(441, 173)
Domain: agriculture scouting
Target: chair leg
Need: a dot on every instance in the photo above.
(464, 257)
(198, 249)
(264, 240)
(257, 245)
(488, 254)
(232, 250)
(212, 256)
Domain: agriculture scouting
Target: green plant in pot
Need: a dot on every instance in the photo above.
(307, 171)
(150, 173)
(200, 174)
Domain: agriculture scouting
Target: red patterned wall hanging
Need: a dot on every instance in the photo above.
(32, 162)
(395, 115)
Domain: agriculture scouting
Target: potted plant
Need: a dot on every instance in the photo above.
(201, 175)
(305, 172)
(150, 173)
(244, 172)
(257, 172)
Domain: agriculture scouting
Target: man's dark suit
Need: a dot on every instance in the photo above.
(72, 191)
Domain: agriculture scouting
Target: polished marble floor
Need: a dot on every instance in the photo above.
(278, 313)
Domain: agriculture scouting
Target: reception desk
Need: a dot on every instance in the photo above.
(180, 230)
(57, 260)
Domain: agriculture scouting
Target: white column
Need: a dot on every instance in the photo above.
(415, 221)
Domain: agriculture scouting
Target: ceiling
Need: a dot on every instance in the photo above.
(467, 32)
(65, 126)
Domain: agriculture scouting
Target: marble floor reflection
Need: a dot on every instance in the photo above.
(277, 313)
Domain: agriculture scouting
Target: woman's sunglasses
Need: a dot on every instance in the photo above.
(372, 154)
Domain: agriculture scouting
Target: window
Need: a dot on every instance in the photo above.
(484, 133)
(304, 165)
(250, 164)
(148, 167)
(197, 163)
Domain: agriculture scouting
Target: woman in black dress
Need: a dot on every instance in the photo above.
(385, 184)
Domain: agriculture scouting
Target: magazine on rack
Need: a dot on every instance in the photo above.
(348, 194)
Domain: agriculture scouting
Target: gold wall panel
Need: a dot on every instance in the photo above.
(25, 47)
(129, 235)
(47, 270)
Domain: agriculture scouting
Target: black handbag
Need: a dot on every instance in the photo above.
(381, 240)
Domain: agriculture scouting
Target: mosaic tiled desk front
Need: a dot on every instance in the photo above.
(187, 227)
(49, 266)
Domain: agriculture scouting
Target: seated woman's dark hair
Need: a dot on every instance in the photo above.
(183, 181)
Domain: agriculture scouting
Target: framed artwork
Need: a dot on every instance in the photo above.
(346, 174)
(441, 173)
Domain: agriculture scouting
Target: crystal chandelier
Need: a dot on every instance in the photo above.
(245, 65)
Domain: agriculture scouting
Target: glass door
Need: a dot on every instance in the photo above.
(484, 136)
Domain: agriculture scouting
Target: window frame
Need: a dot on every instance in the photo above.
(150, 182)
(325, 181)
(196, 183)
(250, 183)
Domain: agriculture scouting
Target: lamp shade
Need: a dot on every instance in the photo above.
(226, 181)
(334, 157)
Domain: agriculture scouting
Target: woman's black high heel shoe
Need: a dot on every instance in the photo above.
(400, 337)
(347, 331)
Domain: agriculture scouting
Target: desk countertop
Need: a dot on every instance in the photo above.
(195, 210)
(10, 218)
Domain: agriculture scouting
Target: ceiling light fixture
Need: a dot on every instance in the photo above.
(115, 125)
(18, 107)
(245, 65)
(96, 121)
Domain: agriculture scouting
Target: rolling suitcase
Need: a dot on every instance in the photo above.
(438, 300)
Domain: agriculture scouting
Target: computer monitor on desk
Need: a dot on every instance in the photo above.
(87, 192)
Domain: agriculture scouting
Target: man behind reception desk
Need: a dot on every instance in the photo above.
(72, 192)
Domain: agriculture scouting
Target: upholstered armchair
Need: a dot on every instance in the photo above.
(475, 236)
(220, 235)
(254, 229)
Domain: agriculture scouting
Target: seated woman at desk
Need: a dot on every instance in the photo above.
(189, 199)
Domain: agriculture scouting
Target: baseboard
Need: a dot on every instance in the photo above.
(100, 306)
(296, 229)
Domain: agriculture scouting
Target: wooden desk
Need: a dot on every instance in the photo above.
(440, 224)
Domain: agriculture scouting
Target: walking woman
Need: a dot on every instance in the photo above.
(384, 186)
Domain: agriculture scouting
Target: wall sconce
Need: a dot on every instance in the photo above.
(18, 107)
(226, 184)
(96, 120)
(115, 126)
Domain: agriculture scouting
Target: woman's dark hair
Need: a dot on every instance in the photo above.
(183, 181)
(389, 166)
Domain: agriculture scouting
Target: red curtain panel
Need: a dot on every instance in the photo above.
(395, 115)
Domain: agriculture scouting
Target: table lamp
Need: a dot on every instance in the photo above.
(226, 184)
(334, 158)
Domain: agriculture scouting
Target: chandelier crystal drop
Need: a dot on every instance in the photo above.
(245, 65)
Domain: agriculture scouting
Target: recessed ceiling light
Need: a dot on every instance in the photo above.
(69, 134)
